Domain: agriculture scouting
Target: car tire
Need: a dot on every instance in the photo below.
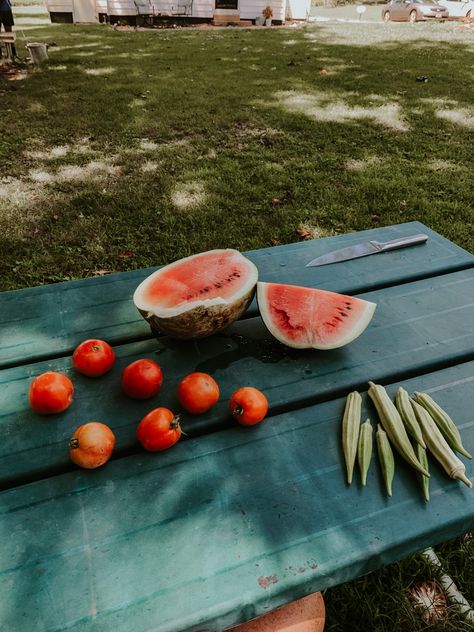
(412, 18)
(386, 16)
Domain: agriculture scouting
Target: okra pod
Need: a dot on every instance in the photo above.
(393, 426)
(364, 450)
(350, 431)
(444, 423)
(438, 445)
(423, 459)
(402, 402)
(387, 462)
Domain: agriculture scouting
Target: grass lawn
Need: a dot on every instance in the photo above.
(131, 149)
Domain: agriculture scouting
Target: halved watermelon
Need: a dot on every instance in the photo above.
(304, 318)
(198, 295)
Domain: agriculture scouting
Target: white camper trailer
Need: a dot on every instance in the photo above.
(148, 11)
(77, 11)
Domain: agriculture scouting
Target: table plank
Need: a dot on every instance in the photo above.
(417, 327)
(47, 321)
(222, 528)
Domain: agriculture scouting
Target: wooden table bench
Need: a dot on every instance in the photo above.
(8, 41)
(231, 522)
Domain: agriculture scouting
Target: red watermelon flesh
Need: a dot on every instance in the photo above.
(305, 318)
(205, 276)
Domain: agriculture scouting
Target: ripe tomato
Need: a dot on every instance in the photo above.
(91, 445)
(248, 406)
(197, 392)
(142, 379)
(93, 358)
(158, 430)
(50, 393)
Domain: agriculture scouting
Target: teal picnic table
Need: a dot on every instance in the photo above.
(231, 522)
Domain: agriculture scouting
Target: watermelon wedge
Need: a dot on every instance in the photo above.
(199, 295)
(305, 318)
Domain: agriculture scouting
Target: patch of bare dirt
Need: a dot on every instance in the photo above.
(12, 72)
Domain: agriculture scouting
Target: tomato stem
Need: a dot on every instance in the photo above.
(238, 410)
(73, 444)
(175, 422)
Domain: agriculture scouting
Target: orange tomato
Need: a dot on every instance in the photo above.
(198, 392)
(50, 393)
(248, 406)
(91, 445)
(158, 430)
(93, 358)
(142, 379)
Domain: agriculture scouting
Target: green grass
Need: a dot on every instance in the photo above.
(380, 602)
(196, 139)
(218, 107)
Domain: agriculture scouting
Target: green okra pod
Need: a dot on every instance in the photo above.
(404, 407)
(394, 426)
(385, 453)
(424, 480)
(350, 431)
(444, 422)
(438, 445)
(364, 450)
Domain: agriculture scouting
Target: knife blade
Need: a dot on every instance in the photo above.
(365, 249)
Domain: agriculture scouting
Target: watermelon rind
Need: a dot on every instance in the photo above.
(203, 317)
(307, 341)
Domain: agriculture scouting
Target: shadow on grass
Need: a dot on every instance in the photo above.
(268, 156)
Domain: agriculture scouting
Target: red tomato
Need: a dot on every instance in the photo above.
(142, 379)
(91, 445)
(93, 358)
(50, 393)
(197, 392)
(248, 406)
(158, 430)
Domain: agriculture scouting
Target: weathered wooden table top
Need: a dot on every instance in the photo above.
(231, 522)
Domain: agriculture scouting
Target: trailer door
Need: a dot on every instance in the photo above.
(84, 11)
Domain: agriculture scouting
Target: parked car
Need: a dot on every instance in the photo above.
(459, 8)
(413, 11)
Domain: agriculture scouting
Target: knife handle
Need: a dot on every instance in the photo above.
(401, 243)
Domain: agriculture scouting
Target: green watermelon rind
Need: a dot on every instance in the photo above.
(358, 328)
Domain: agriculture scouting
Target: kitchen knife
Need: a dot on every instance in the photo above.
(369, 248)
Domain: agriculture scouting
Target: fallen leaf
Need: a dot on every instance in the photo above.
(304, 233)
(126, 253)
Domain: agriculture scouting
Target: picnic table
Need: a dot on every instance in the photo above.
(231, 522)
